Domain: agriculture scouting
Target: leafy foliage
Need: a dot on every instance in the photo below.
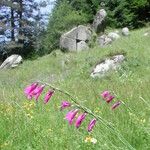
(127, 13)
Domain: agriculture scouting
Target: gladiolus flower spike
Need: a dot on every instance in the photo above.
(35, 90)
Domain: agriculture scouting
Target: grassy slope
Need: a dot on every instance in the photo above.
(48, 129)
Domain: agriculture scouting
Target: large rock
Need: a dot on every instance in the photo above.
(107, 65)
(82, 46)
(104, 40)
(11, 62)
(83, 33)
(99, 21)
(72, 33)
(114, 36)
(76, 39)
(125, 31)
(68, 43)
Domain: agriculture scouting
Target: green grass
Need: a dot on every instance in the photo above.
(25, 125)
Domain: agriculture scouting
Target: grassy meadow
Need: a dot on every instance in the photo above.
(26, 125)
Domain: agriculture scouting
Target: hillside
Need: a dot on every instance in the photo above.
(26, 125)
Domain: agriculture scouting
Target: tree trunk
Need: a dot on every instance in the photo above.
(12, 25)
(21, 39)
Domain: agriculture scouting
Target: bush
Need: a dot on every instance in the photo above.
(133, 14)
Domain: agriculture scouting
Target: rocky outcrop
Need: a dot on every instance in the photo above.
(99, 21)
(104, 40)
(76, 39)
(107, 65)
(11, 62)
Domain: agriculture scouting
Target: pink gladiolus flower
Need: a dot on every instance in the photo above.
(109, 98)
(91, 125)
(48, 96)
(65, 104)
(37, 92)
(29, 89)
(80, 119)
(71, 115)
(105, 94)
(114, 106)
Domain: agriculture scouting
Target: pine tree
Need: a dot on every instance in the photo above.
(19, 23)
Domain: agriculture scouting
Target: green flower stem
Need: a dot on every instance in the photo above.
(104, 122)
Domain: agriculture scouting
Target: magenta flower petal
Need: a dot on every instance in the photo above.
(37, 92)
(91, 125)
(29, 96)
(48, 96)
(65, 104)
(114, 106)
(29, 89)
(71, 115)
(105, 94)
(109, 98)
(80, 119)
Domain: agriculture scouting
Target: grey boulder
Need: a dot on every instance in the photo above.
(125, 31)
(68, 43)
(114, 36)
(11, 62)
(99, 21)
(76, 39)
(107, 65)
(104, 40)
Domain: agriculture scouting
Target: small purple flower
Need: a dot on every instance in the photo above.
(71, 115)
(91, 125)
(48, 96)
(65, 104)
(115, 105)
(80, 119)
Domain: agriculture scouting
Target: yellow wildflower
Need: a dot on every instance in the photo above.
(90, 139)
